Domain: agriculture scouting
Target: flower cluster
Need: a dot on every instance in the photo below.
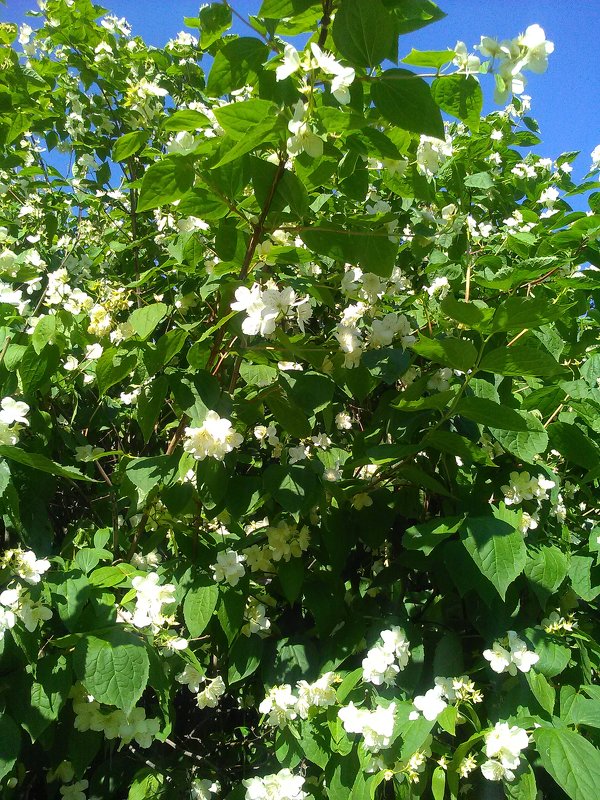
(115, 724)
(510, 654)
(282, 785)
(214, 438)
(151, 596)
(376, 726)
(523, 486)
(282, 705)
(503, 746)
(384, 661)
(265, 308)
(529, 50)
(445, 691)
(12, 418)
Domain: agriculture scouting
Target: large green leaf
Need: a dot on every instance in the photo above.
(524, 360)
(238, 63)
(405, 100)
(497, 549)
(128, 145)
(363, 32)
(456, 353)
(10, 744)
(461, 96)
(546, 569)
(41, 463)
(494, 415)
(571, 760)
(572, 443)
(165, 181)
(112, 367)
(367, 248)
(199, 605)
(113, 668)
(144, 320)
(523, 444)
(237, 119)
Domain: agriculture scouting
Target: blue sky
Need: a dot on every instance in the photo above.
(565, 98)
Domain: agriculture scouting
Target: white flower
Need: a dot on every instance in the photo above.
(343, 421)
(303, 138)
(432, 703)
(28, 567)
(282, 785)
(379, 667)
(256, 620)
(13, 411)
(511, 655)
(440, 286)
(191, 678)
(280, 705)
(150, 597)
(318, 694)
(504, 743)
(210, 696)
(182, 143)
(595, 156)
(229, 567)
(215, 438)
(290, 63)
(376, 726)
(440, 380)
(93, 352)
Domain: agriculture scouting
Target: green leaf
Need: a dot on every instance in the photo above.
(546, 569)
(281, 9)
(289, 191)
(363, 32)
(214, 20)
(113, 668)
(524, 444)
(244, 658)
(474, 315)
(497, 549)
(523, 787)
(289, 415)
(47, 694)
(238, 63)
(516, 313)
(186, 120)
(144, 320)
(460, 96)
(405, 100)
(73, 592)
(41, 463)
(492, 414)
(479, 180)
(37, 368)
(146, 784)
(112, 367)
(292, 487)
(238, 119)
(573, 445)
(585, 577)
(429, 58)
(438, 783)
(165, 181)
(149, 405)
(413, 14)
(370, 249)
(427, 535)
(10, 744)
(198, 607)
(456, 353)
(128, 145)
(521, 361)
(571, 760)
(456, 445)
(543, 692)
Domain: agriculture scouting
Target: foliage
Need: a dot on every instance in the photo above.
(298, 437)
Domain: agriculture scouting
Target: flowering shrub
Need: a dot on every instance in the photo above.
(299, 408)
